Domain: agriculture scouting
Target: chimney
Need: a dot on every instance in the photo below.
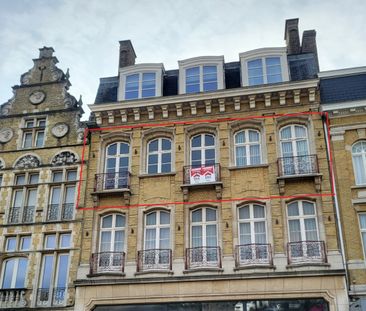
(127, 54)
(308, 44)
(292, 36)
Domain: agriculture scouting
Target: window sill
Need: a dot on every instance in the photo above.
(359, 186)
(234, 168)
(105, 274)
(202, 269)
(307, 264)
(156, 175)
(169, 272)
(299, 176)
(254, 266)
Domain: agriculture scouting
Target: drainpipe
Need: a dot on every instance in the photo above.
(335, 197)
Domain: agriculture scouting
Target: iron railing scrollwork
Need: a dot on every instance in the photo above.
(58, 212)
(112, 181)
(154, 259)
(203, 257)
(253, 254)
(51, 296)
(306, 252)
(107, 262)
(298, 165)
(20, 214)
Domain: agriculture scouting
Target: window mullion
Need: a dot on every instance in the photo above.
(201, 78)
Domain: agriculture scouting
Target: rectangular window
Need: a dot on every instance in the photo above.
(273, 68)
(132, 86)
(209, 78)
(193, 80)
(264, 70)
(201, 79)
(17, 243)
(362, 218)
(33, 133)
(11, 244)
(148, 85)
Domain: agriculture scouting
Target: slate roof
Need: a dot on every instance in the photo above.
(343, 88)
(302, 67)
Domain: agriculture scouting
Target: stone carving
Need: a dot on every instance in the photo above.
(56, 73)
(64, 158)
(28, 161)
(25, 78)
(6, 134)
(5, 108)
(70, 101)
(37, 97)
(60, 130)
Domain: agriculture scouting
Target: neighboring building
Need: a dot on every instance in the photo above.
(40, 157)
(343, 97)
(208, 187)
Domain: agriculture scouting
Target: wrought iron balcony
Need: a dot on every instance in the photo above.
(112, 181)
(20, 214)
(306, 252)
(299, 165)
(201, 174)
(154, 259)
(13, 298)
(51, 297)
(203, 257)
(253, 255)
(107, 262)
(57, 212)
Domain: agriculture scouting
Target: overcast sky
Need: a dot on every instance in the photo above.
(85, 33)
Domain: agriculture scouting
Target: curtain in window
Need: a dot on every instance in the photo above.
(359, 168)
(295, 231)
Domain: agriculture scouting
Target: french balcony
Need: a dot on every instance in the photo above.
(204, 257)
(113, 183)
(296, 167)
(60, 212)
(306, 252)
(107, 262)
(13, 298)
(154, 260)
(247, 255)
(202, 176)
(51, 296)
(18, 214)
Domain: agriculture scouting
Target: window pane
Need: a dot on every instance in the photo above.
(55, 195)
(124, 148)
(196, 155)
(27, 140)
(274, 79)
(258, 211)
(244, 212)
(245, 236)
(120, 221)
(107, 221)
(62, 271)
(166, 158)
(196, 141)
(119, 240)
(255, 156)
(105, 241)
(8, 273)
(166, 144)
(21, 273)
(41, 123)
(193, 71)
(18, 198)
(39, 139)
(256, 63)
(65, 240)
(29, 124)
(70, 195)
(71, 175)
(286, 132)
(193, 88)
(240, 138)
(153, 159)
(50, 241)
(210, 214)
(166, 168)
(363, 221)
(308, 208)
(241, 159)
(153, 145)
(209, 140)
(310, 228)
(150, 238)
(33, 179)
(20, 180)
(300, 132)
(164, 218)
(148, 93)
(25, 243)
(132, 78)
(152, 169)
(293, 209)
(209, 86)
(253, 136)
(147, 76)
(295, 232)
(112, 149)
(164, 238)
(196, 236)
(57, 176)
(255, 81)
(47, 271)
(211, 236)
(151, 219)
(11, 243)
(32, 197)
(197, 215)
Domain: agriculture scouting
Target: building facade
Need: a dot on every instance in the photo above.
(41, 147)
(343, 97)
(209, 187)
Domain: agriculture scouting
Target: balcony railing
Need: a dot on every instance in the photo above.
(107, 262)
(195, 175)
(13, 298)
(154, 259)
(253, 254)
(306, 252)
(112, 181)
(203, 257)
(20, 214)
(51, 297)
(299, 165)
(57, 212)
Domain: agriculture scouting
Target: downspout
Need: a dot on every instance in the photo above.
(326, 128)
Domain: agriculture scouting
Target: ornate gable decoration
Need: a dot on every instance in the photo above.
(64, 158)
(28, 161)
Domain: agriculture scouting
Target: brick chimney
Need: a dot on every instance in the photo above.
(292, 36)
(308, 44)
(127, 55)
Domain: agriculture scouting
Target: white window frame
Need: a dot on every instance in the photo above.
(263, 54)
(363, 156)
(157, 226)
(201, 61)
(159, 153)
(252, 220)
(203, 224)
(34, 131)
(15, 271)
(247, 145)
(293, 139)
(113, 230)
(203, 148)
(362, 230)
(139, 69)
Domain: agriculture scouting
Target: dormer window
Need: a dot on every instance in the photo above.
(264, 66)
(201, 74)
(140, 81)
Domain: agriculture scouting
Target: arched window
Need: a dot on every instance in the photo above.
(159, 156)
(111, 243)
(295, 150)
(14, 273)
(359, 162)
(203, 150)
(117, 165)
(247, 148)
(204, 239)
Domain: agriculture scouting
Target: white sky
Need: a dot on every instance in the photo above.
(85, 33)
